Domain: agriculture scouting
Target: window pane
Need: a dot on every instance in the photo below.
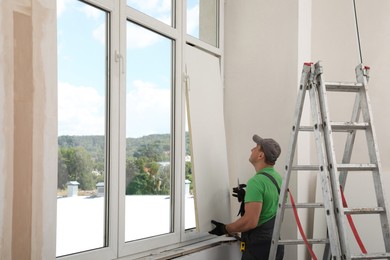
(158, 9)
(148, 134)
(82, 84)
(202, 20)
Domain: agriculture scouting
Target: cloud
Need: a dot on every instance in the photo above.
(81, 110)
(100, 33)
(152, 7)
(139, 37)
(91, 12)
(148, 109)
(62, 6)
(193, 21)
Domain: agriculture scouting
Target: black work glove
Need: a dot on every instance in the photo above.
(219, 230)
(239, 192)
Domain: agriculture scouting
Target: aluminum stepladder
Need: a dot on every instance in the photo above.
(333, 175)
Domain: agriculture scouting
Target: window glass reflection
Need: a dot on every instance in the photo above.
(158, 9)
(82, 87)
(203, 20)
(148, 134)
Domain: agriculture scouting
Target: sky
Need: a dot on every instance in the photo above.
(82, 74)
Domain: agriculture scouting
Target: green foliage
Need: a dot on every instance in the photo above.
(93, 144)
(148, 178)
(82, 158)
(63, 177)
(189, 174)
(149, 146)
(147, 184)
(75, 164)
(132, 169)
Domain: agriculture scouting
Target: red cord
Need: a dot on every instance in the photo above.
(352, 224)
(300, 226)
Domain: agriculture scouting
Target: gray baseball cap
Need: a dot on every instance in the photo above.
(270, 147)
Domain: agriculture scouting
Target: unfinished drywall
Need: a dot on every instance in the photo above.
(23, 107)
(28, 129)
(44, 179)
(6, 129)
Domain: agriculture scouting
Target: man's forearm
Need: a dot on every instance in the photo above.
(241, 225)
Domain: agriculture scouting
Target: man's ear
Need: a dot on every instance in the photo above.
(261, 155)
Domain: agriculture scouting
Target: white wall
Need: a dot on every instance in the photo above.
(261, 78)
(334, 42)
(265, 46)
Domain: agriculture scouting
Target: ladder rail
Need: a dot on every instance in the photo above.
(332, 164)
(374, 158)
(333, 175)
(289, 159)
(327, 192)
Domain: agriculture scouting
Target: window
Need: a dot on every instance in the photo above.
(82, 108)
(158, 9)
(149, 92)
(125, 175)
(203, 20)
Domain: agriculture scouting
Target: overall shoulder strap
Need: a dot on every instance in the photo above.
(272, 179)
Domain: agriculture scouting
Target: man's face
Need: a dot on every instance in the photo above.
(255, 154)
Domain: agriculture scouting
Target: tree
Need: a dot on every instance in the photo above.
(189, 175)
(78, 166)
(152, 151)
(132, 169)
(140, 185)
(62, 172)
(165, 179)
(155, 182)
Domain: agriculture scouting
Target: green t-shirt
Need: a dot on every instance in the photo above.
(261, 189)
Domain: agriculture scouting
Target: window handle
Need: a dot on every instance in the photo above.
(119, 58)
(187, 79)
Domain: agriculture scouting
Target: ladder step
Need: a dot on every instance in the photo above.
(376, 210)
(343, 86)
(306, 128)
(371, 256)
(332, 173)
(357, 167)
(340, 127)
(348, 126)
(306, 205)
(301, 242)
(305, 168)
(340, 167)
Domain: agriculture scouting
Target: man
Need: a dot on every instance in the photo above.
(261, 203)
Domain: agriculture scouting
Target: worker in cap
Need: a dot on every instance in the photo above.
(260, 203)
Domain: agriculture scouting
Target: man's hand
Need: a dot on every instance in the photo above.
(219, 230)
(239, 192)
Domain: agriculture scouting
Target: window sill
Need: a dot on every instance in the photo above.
(182, 250)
